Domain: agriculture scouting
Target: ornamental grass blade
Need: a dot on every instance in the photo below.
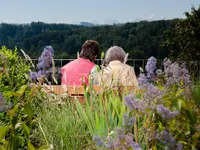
(83, 114)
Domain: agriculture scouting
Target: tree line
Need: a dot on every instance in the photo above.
(176, 38)
(140, 40)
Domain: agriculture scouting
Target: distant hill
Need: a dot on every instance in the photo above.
(140, 39)
(87, 24)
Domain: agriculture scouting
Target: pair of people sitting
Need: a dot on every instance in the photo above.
(115, 73)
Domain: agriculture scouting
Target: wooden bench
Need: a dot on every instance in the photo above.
(79, 91)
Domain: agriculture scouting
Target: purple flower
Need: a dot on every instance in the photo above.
(170, 142)
(153, 94)
(128, 123)
(151, 67)
(134, 104)
(4, 105)
(176, 73)
(142, 80)
(124, 141)
(33, 76)
(166, 113)
(41, 73)
(121, 141)
(45, 60)
(98, 141)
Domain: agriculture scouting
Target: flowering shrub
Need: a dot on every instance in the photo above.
(17, 98)
(166, 111)
(45, 67)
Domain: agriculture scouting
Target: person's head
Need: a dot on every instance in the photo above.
(90, 50)
(115, 53)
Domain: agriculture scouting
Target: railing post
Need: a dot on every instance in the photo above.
(143, 64)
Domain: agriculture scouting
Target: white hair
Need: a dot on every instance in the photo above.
(115, 53)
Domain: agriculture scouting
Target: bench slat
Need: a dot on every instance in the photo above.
(79, 90)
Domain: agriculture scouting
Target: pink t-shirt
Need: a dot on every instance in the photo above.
(76, 72)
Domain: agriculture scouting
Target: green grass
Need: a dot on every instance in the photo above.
(62, 128)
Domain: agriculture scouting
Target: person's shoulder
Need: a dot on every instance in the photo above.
(128, 67)
(69, 63)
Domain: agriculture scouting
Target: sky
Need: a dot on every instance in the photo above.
(94, 11)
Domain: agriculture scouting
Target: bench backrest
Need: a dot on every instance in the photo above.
(79, 90)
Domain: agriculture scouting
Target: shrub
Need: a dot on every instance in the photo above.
(17, 96)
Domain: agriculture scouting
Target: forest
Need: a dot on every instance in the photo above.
(140, 39)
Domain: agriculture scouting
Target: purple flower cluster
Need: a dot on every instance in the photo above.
(170, 142)
(3, 105)
(166, 113)
(142, 80)
(133, 104)
(45, 62)
(153, 94)
(176, 73)
(99, 142)
(128, 123)
(151, 67)
(122, 141)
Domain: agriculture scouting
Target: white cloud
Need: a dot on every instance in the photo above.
(150, 17)
(162, 17)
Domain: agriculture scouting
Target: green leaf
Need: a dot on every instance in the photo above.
(22, 90)
(192, 116)
(13, 111)
(2, 148)
(29, 111)
(3, 130)
(84, 115)
(181, 104)
(97, 121)
(43, 148)
(179, 92)
(9, 94)
(102, 55)
(30, 146)
(26, 128)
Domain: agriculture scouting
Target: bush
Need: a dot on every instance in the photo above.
(17, 96)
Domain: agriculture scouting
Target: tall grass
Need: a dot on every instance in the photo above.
(102, 113)
(61, 127)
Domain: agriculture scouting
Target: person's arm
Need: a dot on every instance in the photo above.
(132, 79)
(93, 74)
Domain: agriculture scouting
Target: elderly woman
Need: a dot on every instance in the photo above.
(116, 72)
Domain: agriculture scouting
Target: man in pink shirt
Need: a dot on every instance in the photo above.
(76, 72)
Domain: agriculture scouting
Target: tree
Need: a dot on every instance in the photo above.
(183, 40)
(143, 36)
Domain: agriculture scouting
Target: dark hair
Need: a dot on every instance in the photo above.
(90, 49)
